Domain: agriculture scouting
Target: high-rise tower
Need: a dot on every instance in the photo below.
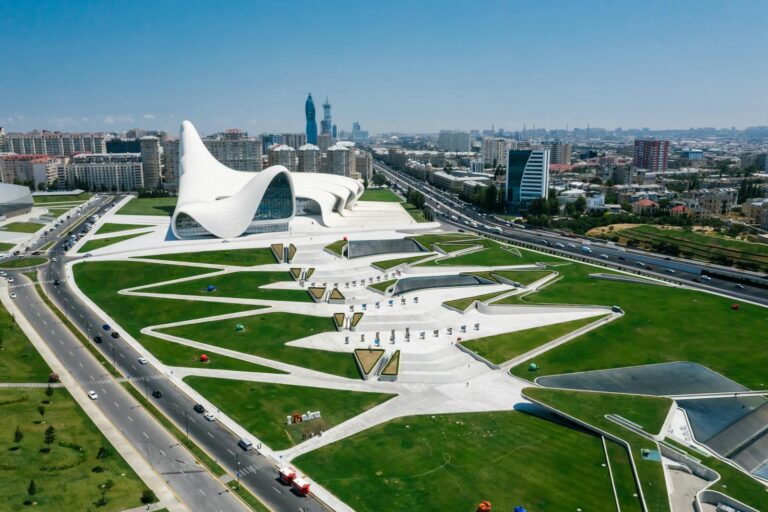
(326, 125)
(309, 110)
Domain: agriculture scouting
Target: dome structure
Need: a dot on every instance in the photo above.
(216, 201)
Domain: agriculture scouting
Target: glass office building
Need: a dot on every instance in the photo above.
(527, 177)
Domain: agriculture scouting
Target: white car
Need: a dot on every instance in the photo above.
(604, 256)
(13, 295)
(671, 270)
(572, 246)
(92, 395)
(142, 360)
(10, 279)
(209, 416)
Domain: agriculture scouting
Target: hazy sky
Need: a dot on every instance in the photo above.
(412, 66)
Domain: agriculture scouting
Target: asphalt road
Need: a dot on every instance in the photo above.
(688, 272)
(256, 472)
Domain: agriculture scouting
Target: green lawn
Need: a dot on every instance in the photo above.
(336, 247)
(79, 198)
(661, 324)
(23, 227)
(261, 408)
(649, 412)
(6, 246)
(524, 277)
(64, 477)
(24, 262)
(383, 285)
(380, 194)
(241, 285)
(265, 335)
(92, 245)
(452, 462)
(493, 255)
(429, 241)
(503, 347)
(464, 303)
(110, 227)
(174, 354)
(236, 257)
(388, 264)
(101, 280)
(149, 206)
(415, 213)
(623, 478)
(20, 362)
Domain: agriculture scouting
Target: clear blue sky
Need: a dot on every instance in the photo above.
(411, 66)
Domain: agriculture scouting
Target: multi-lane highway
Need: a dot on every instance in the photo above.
(454, 212)
(197, 488)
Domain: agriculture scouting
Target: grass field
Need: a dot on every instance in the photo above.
(493, 255)
(701, 246)
(261, 408)
(235, 258)
(92, 245)
(149, 206)
(174, 354)
(415, 213)
(429, 241)
(661, 324)
(464, 303)
(388, 264)
(623, 478)
(524, 277)
(20, 362)
(241, 285)
(23, 227)
(62, 198)
(266, 335)
(383, 285)
(503, 347)
(336, 247)
(101, 280)
(24, 262)
(452, 462)
(649, 412)
(380, 194)
(110, 227)
(64, 477)
(6, 246)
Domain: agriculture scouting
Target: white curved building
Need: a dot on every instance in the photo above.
(217, 201)
(15, 200)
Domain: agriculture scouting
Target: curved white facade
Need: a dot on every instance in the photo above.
(215, 200)
(15, 199)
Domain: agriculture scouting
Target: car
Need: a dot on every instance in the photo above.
(604, 256)
(157, 393)
(13, 295)
(106, 327)
(92, 395)
(54, 259)
(739, 286)
(97, 339)
(10, 279)
(706, 278)
(198, 408)
(622, 258)
(572, 246)
(209, 416)
(3, 273)
(143, 360)
(671, 270)
(559, 245)
(56, 282)
(245, 444)
(115, 334)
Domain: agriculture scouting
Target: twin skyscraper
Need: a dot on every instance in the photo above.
(326, 124)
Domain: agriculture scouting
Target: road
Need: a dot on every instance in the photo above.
(256, 472)
(458, 214)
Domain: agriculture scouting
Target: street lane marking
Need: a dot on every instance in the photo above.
(131, 419)
(116, 404)
(162, 452)
(231, 452)
(81, 364)
(201, 492)
(209, 434)
(70, 353)
(144, 434)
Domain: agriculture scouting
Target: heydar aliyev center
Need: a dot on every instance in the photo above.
(216, 201)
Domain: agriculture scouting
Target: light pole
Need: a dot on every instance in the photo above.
(186, 425)
(237, 462)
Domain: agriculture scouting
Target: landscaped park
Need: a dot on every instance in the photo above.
(466, 332)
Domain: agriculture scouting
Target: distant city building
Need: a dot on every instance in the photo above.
(364, 164)
(337, 160)
(333, 132)
(761, 161)
(560, 153)
(450, 140)
(295, 140)
(527, 176)
(351, 170)
(651, 155)
(694, 155)
(326, 125)
(151, 161)
(120, 145)
(358, 134)
(280, 154)
(33, 170)
(324, 141)
(270, 139)
(309, 112)
(495, 151)
(309, 158)
(54, 143)
(121, 172)
(476, 166)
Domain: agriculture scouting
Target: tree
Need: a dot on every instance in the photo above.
(50, 436)
(41, 411)
(18, 435)
(49, 391)
(580, 205)
(32, 488)
(379, 179)
(552, 205)
(102, 454)
(148, 496)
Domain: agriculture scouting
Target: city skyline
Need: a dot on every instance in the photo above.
(674, 66)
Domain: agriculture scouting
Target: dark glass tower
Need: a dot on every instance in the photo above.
(309, 110)
(326, 125)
